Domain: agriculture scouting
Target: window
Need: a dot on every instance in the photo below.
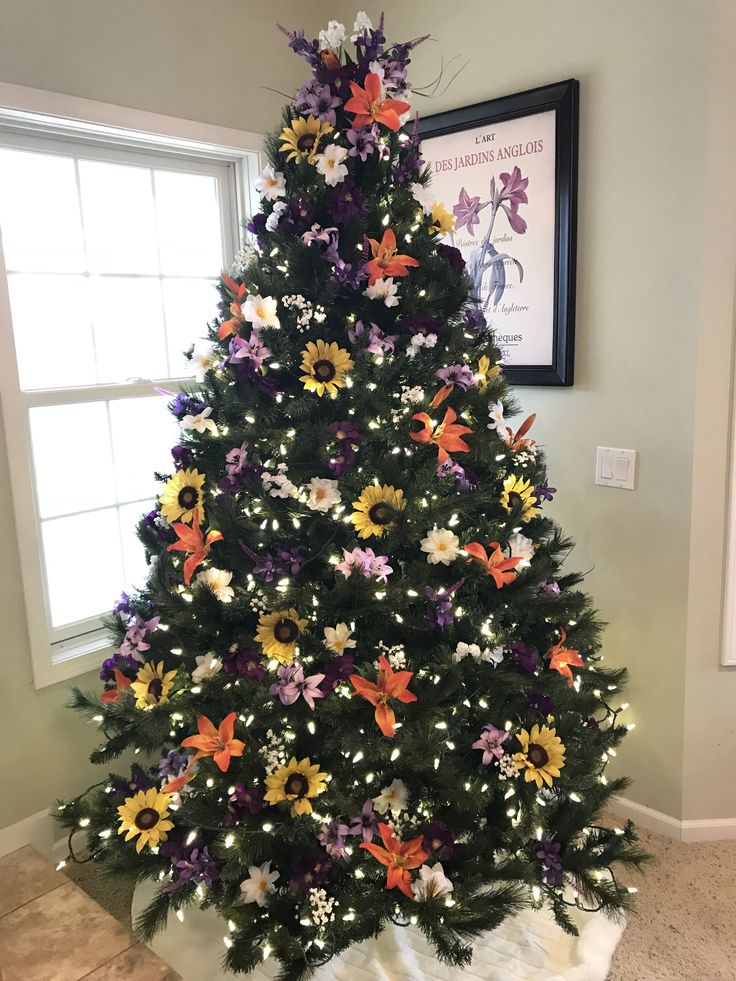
(110, 256)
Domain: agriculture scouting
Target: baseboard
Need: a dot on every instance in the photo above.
(709, 829)
(37, 830)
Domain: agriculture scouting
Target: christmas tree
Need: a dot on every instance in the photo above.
(361, 687)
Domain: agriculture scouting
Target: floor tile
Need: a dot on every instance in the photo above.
(137, 963)
(24, 876)
(58, 937)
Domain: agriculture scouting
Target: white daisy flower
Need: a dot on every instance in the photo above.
(261, 311)
(395, 797)
(208, 665)
(271, 184)
(330, 164)
(441, 545)
(520, 547)
(338, 638)
(432, 881)
(259, 884)
(322, 494)
(201, 422)
(202, 361)
(383, 289)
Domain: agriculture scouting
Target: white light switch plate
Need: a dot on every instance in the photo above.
(615, 468)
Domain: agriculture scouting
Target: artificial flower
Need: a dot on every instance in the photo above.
(388, 685)
(447, 436)
(201, 362)
(309, 870)
(337, 670)
(366, 562)
(296, 782)
(520, 547)
(292, 683)
(371, 106)
(432, 882)
(542, 755)
(325, 366)
(173, 764)
(362, 24)
(338, 638)
(122, 684)
(152, 685)
(386, 261)
(261, 311)
(398, 858)
(208, 665)
(501, 570)
(486, 374)
(145, 814)
(333, 838)
(383, 289)
(439, 840)
(442, 221)
(219, 743)
(244, 662)
(561, 658)
(441, 545)
(363, 142)
(192, 542)
(243, 802)
(543, 492)
(259, 884)
(182, 496)
(330, 164)
(218, 582)
(319, 235)
(395, 798)
(526, 657)
(192, 864)
(518, 497)
(466, 211)
(277, 212)
(322, 494)
(320, 101)
(177, 784)
(253, 349)
(376, 510)
(517, 441)
(271, 184)
(239, 292)
(365, 824)
(301, 140)
(549, 856)
(497, 423)
(455, 374)
(490, 655)
(345, 201)
(424, 197)
(491, 742)
(333, 36)
(278, 633)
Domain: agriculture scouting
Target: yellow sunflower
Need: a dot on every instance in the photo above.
(278, 633)
(485, 373)
(296, 782)
(542, 755)
(442, 220)
(376, 510)
(519, 494)
(326, 366)
(152, 685)
(145, 814)
(182, 496)
(302, 138)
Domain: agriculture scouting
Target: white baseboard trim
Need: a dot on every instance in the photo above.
(708, 829)
(37, 830)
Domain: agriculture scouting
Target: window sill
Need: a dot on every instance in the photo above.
(72, 658)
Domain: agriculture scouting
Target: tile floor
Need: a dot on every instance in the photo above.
(52, 931)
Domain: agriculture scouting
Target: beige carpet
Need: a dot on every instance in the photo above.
(685, 929)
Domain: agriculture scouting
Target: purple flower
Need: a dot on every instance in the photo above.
(419, 324)
(451, 255)
(290, 558)
(466, 211)
(366, 562)
(268, 384)
(475, 318)
(333, 838)
(513, 188)
(292, 684)
(339, 669)
(591, 723)
(298, 217)
(308, 871)
(299, 45)
(237, 470)
(544, 492)
(319, 101)
(196, 865)
(549, 855)
(243, 662)
(349, 274)
(526, 657)
(410, 157)
(243, 802)
(123, 662)
(439, 610)
(253, 349)
(257, 225)
(345, 201)
(318, 234)
(344, 459)
(135, 641)
(345, 430)
(439, 841)
(378, 342)
(465, 479)
(366, 823)
(122, 606)
(186, 405)
(183, 457)
(548, 588)
(457, 374)
(540, 703)
(491, 742)
(138, 781)
(363, 141)
(172, 764)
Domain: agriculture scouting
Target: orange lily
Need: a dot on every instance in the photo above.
(445, 437)
(501, 570)
(191, 541)
(388, 684)
(217, 743)
(240, 292)
(398, 858)
(386, 261)
(369, 107)
(517, 442)
(561, 657)
(122, 684)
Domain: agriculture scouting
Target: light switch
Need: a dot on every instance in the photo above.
(615, 468)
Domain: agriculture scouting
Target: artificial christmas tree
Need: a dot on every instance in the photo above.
(365, 690)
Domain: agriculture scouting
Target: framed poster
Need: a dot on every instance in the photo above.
(507, 170)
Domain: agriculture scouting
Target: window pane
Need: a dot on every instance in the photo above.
(39, 213)
(119, 222)
(189, 304)
(71, 453)
(84, 567)
(188, 223)
(129, 328)
(143, 432)
(134, 557)
(53, 333)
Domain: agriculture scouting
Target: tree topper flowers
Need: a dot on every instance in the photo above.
(217, 743)
(398, 858)
(388, 685)
(370, 105)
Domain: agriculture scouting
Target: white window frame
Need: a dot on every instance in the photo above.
(26, 114)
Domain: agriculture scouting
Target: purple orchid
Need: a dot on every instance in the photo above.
(344, 459)
(526, 657)
(183, 457)
(417, 323)
(551, 588)
(366, 823)
(123, 662)
(196, 865)
(186, 405)
(122, 606)
(363, 141)
(243, 802)
(439, 610)
(253, 349)
(135, 641)
(513, 189)
(333, 838)
(319, 101)
(540, 703)
(366, 562)
(292, 683)
(491, 742)
(466, 211)
(544, 492)
(345, 201)
(139, 780)
(377, 342)
(457, 374)
(243, 662)
(290, 558)
(465, 479)
(318, 234)
(172, 764)
(338, 669)
(345, 430)
(549, 856)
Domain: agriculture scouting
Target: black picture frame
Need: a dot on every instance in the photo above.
(563, 99)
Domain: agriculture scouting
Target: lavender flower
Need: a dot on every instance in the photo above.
(253, 349)
(363, 141)
(292, 683)
(186, 405)
(122, 606)
(491, 742)
(377, 342)
(457, 374)
(366, 823)
(549, 588)
(339, 669)
(544, 492)
(195, 865)
(123, 662)
(172, 764)
(183, 457)
(439, 610)
(549, 856)
(333, 838)
(319, 101)
(466, 211)
(465, 479)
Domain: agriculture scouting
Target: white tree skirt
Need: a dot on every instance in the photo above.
(527, 947)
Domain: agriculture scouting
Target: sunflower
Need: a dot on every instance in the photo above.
(182, 496)
(302, 138)
(542, 754)
(326, 366)
(278, 633)
(519, 494)
(152, 685)
(145, 814)
(376, 510)
(296, 782)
